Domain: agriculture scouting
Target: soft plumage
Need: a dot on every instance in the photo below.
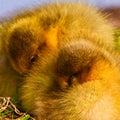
(80, 83)
(32, 35)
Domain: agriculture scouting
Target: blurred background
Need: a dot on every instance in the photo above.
(111, 7)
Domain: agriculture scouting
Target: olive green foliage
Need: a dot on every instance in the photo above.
(117, 39)
(9, 111)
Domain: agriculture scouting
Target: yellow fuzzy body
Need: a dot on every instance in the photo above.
(89, 89)
(48, 27)
(31, 36)
(74, 74)
(9, 78)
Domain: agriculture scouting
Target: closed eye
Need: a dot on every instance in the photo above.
(71, 80)
(80, 76)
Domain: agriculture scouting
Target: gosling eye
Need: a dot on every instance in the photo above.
(33, 58)
(72, 80)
